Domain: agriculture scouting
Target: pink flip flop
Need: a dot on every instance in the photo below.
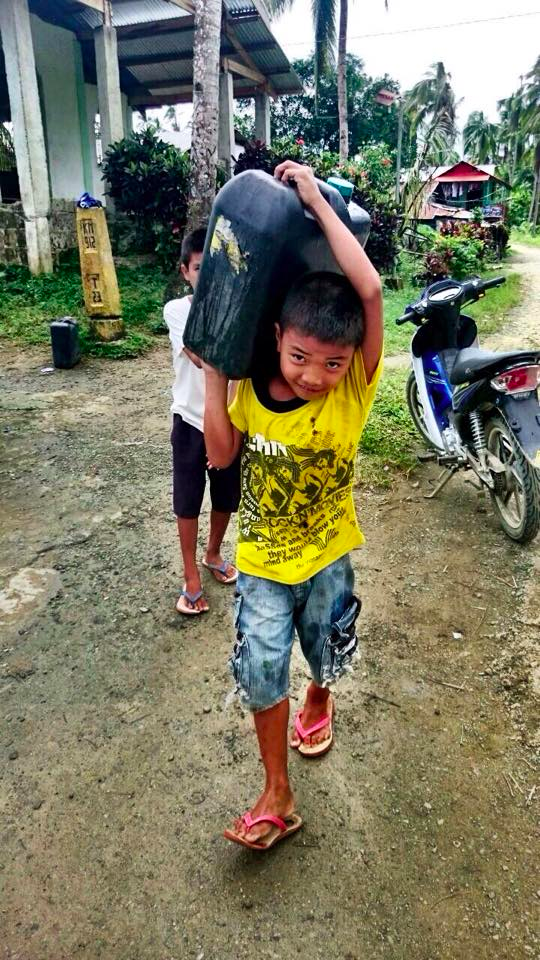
(318, 749)
(279, 830)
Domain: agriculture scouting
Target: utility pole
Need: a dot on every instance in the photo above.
(401, 107)
(386, 98)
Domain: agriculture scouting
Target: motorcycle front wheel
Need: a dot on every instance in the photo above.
(516, 497)
(416, 409)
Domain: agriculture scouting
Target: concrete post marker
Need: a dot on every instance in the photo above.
(101, 295)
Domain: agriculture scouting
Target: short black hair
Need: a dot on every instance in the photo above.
(324, 305)
(193, 242)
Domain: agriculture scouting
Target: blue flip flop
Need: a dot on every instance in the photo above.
(222, 568)
(182, 607)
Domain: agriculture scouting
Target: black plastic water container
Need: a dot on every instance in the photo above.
(65, 344)
(260, 239)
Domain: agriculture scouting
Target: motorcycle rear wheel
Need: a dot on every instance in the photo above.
(516, 497)
(416, 410)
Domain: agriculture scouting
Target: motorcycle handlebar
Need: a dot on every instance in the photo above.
(408, 315)
(495, 282)
(470, 287)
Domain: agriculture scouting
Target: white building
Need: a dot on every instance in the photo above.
(62, 62)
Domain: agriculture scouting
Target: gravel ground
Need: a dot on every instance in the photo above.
(122, 762)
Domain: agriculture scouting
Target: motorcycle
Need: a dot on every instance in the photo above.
(476, 410)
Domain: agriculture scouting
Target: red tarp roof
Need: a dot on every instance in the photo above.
(464, 172)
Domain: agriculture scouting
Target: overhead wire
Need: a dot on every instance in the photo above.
(422, 29)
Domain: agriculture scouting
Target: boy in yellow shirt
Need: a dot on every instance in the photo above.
(299, 431)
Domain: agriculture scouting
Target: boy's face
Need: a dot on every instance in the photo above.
(191, 272)
(311, 367)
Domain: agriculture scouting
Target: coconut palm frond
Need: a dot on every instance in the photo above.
(324, 24)
(277, 7)
(432, 103)
(480, 138)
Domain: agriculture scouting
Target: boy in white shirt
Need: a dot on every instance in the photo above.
(189, 452)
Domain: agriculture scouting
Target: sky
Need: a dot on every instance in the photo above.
(484, 59)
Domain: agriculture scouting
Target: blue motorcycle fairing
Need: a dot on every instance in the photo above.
(438, 387)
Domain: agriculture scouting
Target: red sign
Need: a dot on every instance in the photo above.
(386, 97)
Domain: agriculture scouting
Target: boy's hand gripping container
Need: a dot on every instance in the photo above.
(260, 239)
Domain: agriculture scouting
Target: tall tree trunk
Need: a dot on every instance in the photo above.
(342, 81)
(204, 138)
(535, 199)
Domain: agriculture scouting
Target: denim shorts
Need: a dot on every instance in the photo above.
(323, 611)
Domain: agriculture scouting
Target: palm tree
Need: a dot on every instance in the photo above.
(511, 134)
(480, 138)
(431, 106)
(204, 140)
(532, 130)
(324, 25)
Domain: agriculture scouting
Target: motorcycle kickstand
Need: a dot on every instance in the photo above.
(442, 480)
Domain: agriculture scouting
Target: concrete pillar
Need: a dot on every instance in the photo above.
(28, 135)
(262, 118)
(108, 80)
(226, 122)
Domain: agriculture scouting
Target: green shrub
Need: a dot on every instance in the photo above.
(461, 249)
(519, 204)
(371, 175)
(149, 181)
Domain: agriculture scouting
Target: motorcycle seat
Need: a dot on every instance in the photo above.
(473, 364)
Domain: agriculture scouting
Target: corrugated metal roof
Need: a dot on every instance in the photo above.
(145, 11)
(249, 19)
(154, 72)
(168, 46)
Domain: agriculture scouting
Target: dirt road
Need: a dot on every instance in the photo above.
(523, 331)
(121, 763)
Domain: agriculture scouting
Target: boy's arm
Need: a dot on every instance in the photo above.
(222, 440)
(349, 255)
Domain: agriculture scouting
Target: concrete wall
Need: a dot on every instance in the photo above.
(96, 188)
(56, 52)
(62, 229)
(12, 234)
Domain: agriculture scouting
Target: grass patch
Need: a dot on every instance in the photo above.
(530, 236)
(390, 441)
(490, 313)
(29, 303)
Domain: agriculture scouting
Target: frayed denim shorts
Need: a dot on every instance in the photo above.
(323, 611)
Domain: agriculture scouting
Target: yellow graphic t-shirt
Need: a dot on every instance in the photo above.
(296, 512)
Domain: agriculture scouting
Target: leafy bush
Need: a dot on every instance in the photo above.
(149, 181)
(29, 303)
(518, 205)
(458, 256)
(462, 249)
(371, 175)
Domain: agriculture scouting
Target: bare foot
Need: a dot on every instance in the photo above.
(217, 560)
(318, 704)
(279, 802)
(192, 586)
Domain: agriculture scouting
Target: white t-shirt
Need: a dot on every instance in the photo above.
(188, 386)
